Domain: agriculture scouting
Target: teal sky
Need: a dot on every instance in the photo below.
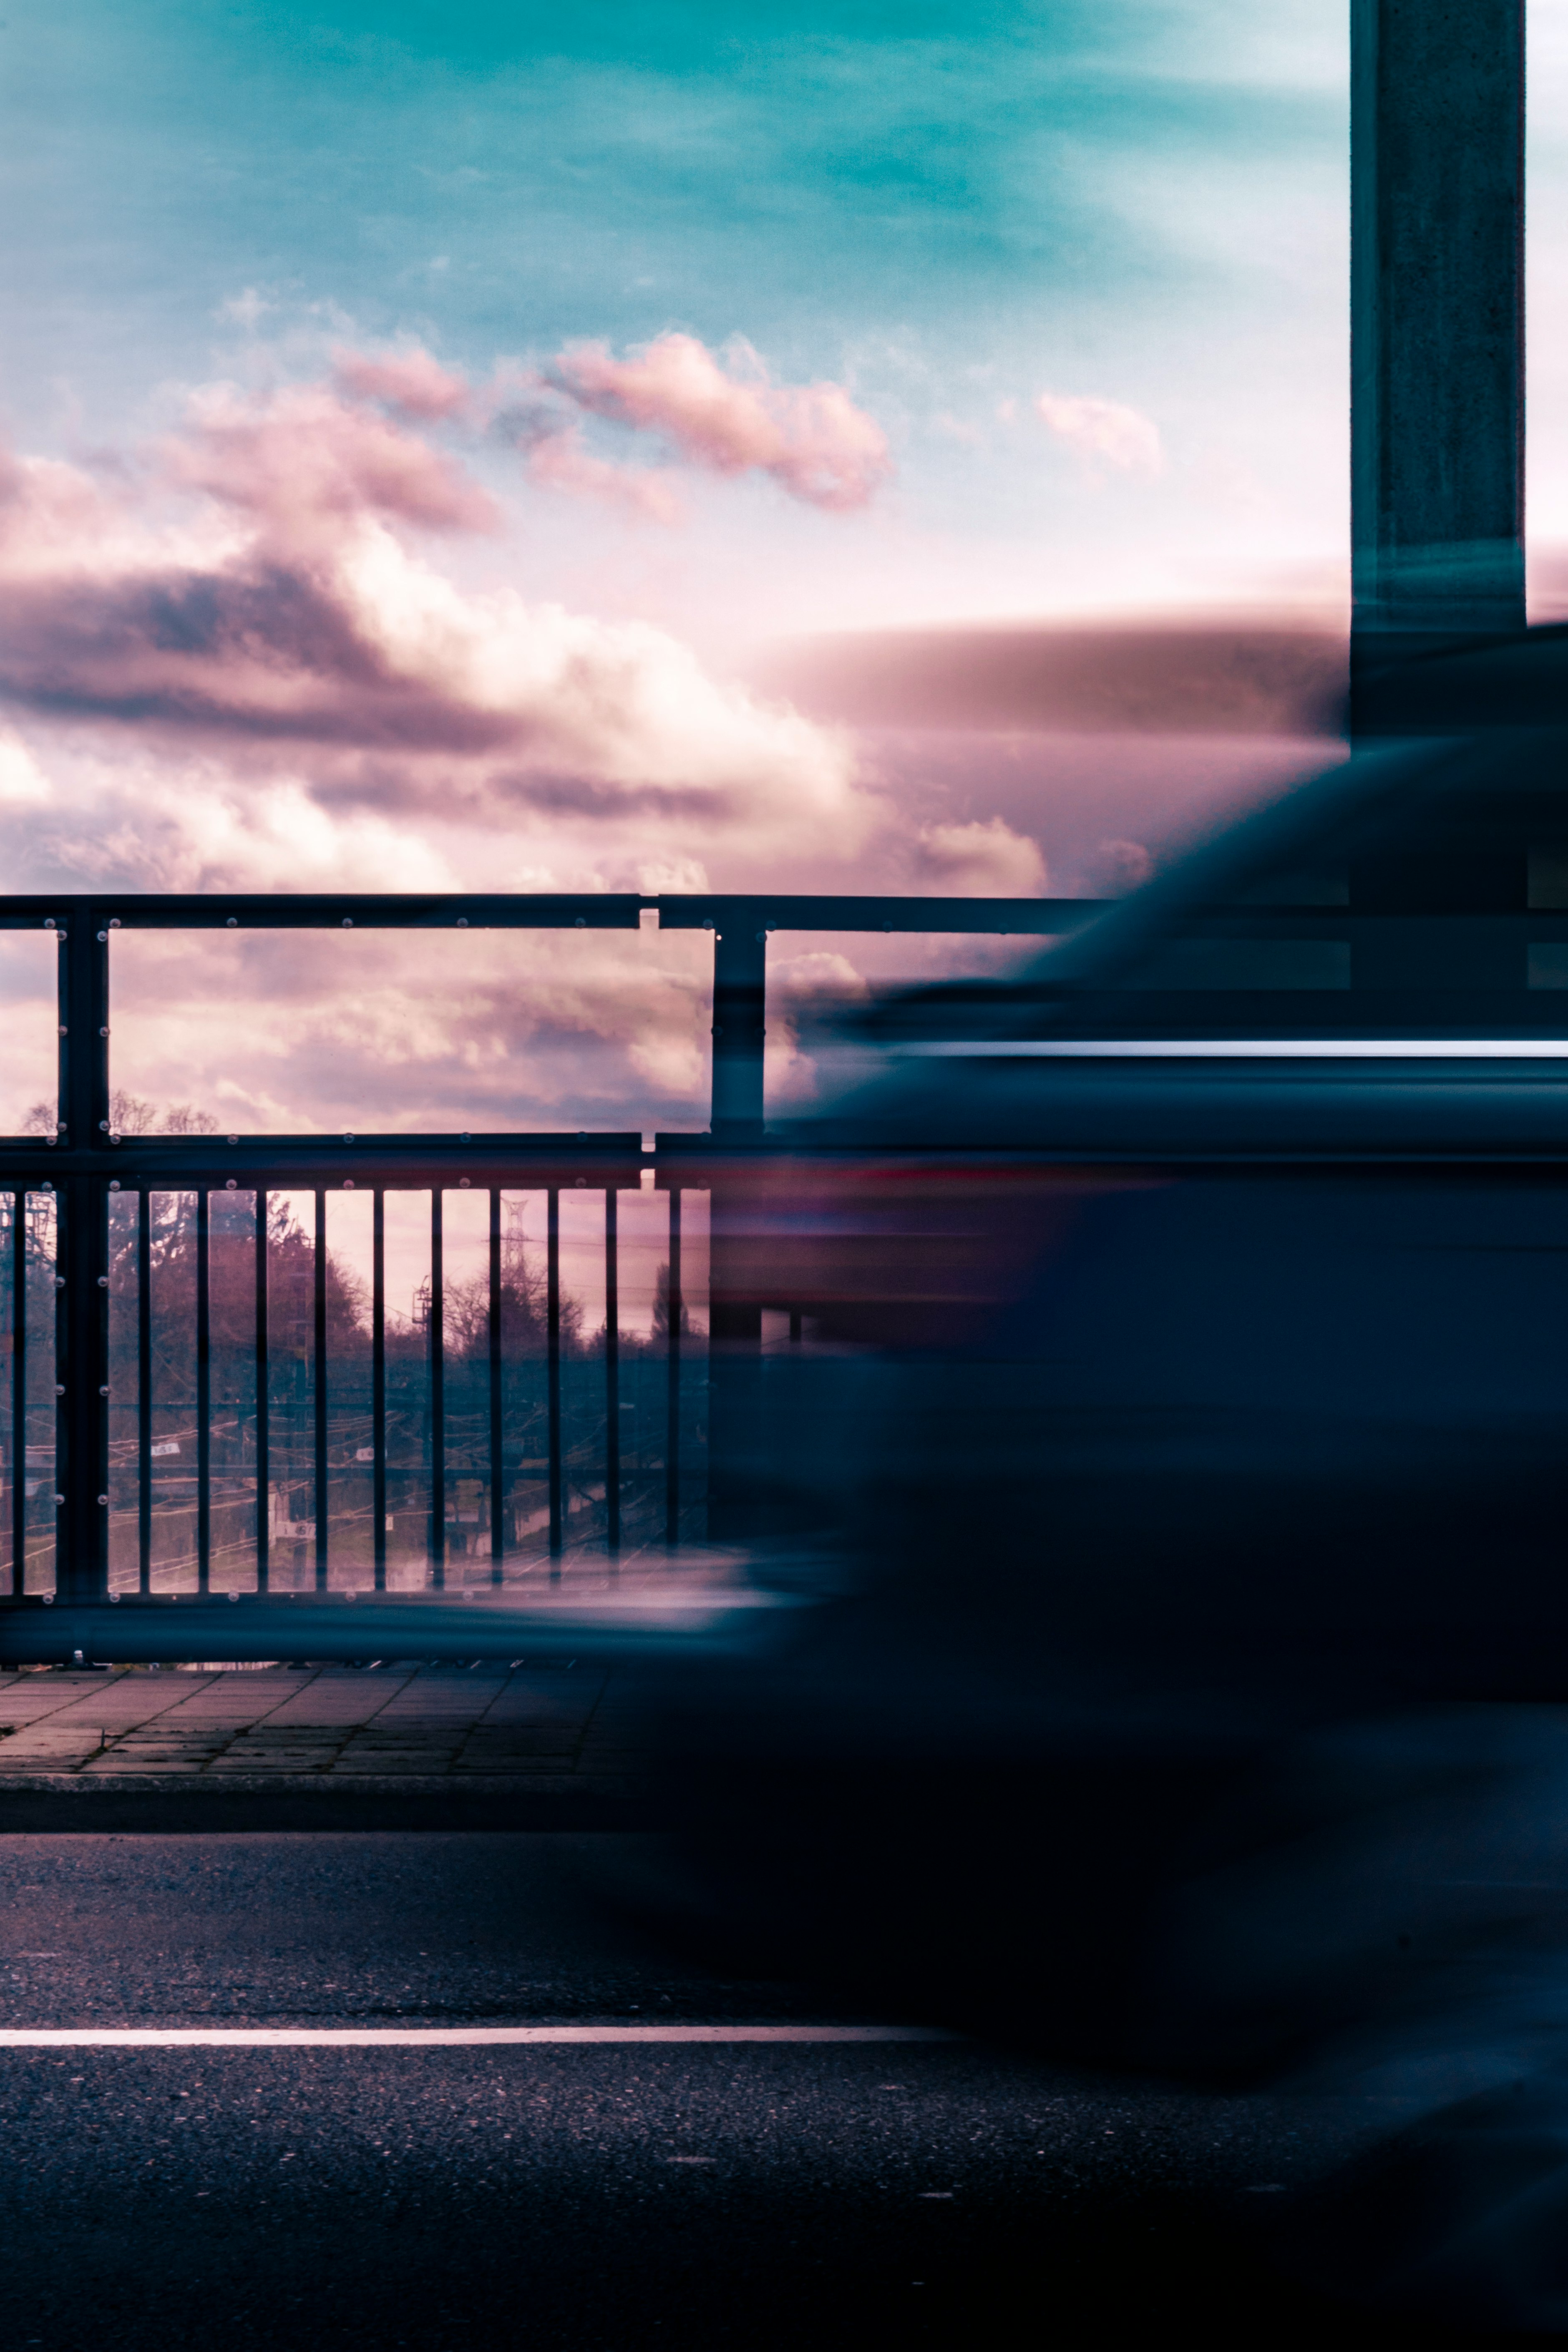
(943, 206)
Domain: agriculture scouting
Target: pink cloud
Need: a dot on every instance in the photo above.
(411, 381)
(51, 511)
(1103, 431)
(304, 456)
(981, 859)
(810, 438)
(1119, 867)
(289, 624)
(558, 461)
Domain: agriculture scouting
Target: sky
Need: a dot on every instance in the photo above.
(422, 423)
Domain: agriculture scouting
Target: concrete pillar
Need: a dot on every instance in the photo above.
(1436, 322)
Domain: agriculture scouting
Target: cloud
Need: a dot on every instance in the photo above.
(258, 599)
(411, 381)
(22, 780)
(980, 860)
(1118, 867)
(805, 994)
(286, 1032)
(723, 416)
(246, 309)
(809, 438)
(818, 982)
(559, 461)
(1103, 433)
(304, 457)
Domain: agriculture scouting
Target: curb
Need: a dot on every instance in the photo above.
(180, 1803)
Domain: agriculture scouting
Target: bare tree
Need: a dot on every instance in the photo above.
(524, 1302)
(131, 1113)
(661, 1309)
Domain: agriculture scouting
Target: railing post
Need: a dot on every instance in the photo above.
(1436, 323)
(740, 983)
(553, 1374)
(497, 1409)
(378, 1388)
(81, 1324)
(19, 1391)
(318, 1395)
(735, 1326)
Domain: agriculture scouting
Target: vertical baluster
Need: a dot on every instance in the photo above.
(552, 1369)
(81, 1209)
(378, 1381)
(204, 1393)
(144, 1390)
(263, 1407)
(498, 1534)
(19, 1394)
(672, 1396)
(321, 1494)
(612, 1373)
(437, 1399)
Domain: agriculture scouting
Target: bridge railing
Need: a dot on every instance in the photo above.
(289, 1452)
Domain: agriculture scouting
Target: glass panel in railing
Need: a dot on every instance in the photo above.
(351, 1428)
(231, 1400)
(125, 1211)
(406, 1310)
(413, 1031)
(291, 1499)
(11, 1453)
(820, 983)
(584, 1403)
(466, 1325)
(518, 1447)
(173, 1450)
(29, 1033)
(28, 1401)
(690, 1299)
(40, 1468)
(642, 1257)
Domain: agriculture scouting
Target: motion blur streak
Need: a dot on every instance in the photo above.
(1177, 1455)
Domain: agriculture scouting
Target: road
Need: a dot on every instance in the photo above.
(616, 2196)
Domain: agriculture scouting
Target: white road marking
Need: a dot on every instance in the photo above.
(305, 2037)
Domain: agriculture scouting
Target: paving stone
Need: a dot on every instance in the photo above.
(543, 1730)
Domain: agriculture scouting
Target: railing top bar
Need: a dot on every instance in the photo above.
(319, 910)
(823, 912)
(538, 911)
(398, 1161)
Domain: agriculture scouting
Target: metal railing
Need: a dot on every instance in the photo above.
(93, 1220)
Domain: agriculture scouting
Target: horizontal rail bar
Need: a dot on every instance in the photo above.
(285, 910)
(818, 911)
(706, 911)
(289, 910)
(179, 1162)
(685, 911)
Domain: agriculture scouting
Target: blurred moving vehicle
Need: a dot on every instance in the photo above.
(1178, 1446)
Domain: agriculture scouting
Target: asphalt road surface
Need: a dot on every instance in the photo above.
(449, 2197)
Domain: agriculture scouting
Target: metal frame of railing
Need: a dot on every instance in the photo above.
(86, 1162)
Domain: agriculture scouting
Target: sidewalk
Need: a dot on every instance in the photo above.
(316, 1747)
